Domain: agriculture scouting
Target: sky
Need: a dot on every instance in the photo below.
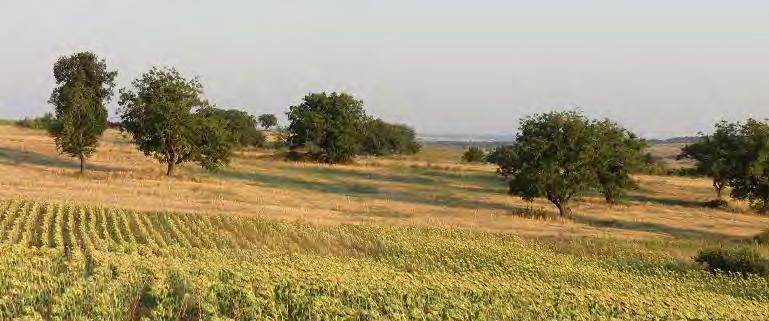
(661, 68)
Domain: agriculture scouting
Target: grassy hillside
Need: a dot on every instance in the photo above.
(70, 262)
(429, 189)
(422, 237)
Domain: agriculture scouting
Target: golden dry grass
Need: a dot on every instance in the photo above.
(429, 189)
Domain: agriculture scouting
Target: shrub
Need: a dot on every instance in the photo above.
(473, 155)
(382, 138)
(743, 259)
(42, 123)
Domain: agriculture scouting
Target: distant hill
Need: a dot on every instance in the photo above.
(496, 140)
(675, 140)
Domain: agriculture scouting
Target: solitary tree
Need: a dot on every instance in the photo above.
(555, 157)
(618, 153)
(328, 126)
(715, 154)
(170, 121)
(268, 121)
(84, 87)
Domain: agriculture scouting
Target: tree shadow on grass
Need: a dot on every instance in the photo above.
(336, 173)
(423, 178)
(340, 187)
(666, 201)
(15, 156)
(677, 232)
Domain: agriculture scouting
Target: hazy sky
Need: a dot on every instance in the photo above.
(661, 67)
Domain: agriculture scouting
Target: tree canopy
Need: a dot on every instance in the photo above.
(554, 157)
(242, 127)
(618, 153)
(328, 126)
(268, 121)
(383, 138)
(748, 164)
(84, 87)
(503, 157)
(170, 121)
(473, 154)
(714, 154)
(561, 155)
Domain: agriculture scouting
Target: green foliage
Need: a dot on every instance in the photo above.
(268, 121)
(382, 138)
(555, 157)
(473, 154)
(170, 121)
(714, 154)
(242, 127)
(215, 139)
(84, 86)
(736, 155)
(618, 154)
(327, 126)
(748, 164)
(744, 260)
(46, 122)
(503, 157)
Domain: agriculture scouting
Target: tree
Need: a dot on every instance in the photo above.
(268, 121)
(555, 158)
(328, 126)
(84, 87)
(382, 138)
(170, 121)
(241, 126)
(714, 154)
(748, 164)
(503, 157)
(618, 154)
(473, 154)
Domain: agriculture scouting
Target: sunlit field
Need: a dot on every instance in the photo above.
(432, 188)
(422, 237)
(72, 262)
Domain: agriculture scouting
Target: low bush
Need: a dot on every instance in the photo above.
(473, 155)
(42, 123)
(744, 260)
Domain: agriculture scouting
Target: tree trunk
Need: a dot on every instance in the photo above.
(171, 167)
(609, 197)
(719, 187)
(82, 164)
(563, 209)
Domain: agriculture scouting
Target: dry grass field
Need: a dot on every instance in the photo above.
(423, 237)
(428, 189)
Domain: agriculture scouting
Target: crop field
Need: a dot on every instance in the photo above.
(422, 237)
(62, 261)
